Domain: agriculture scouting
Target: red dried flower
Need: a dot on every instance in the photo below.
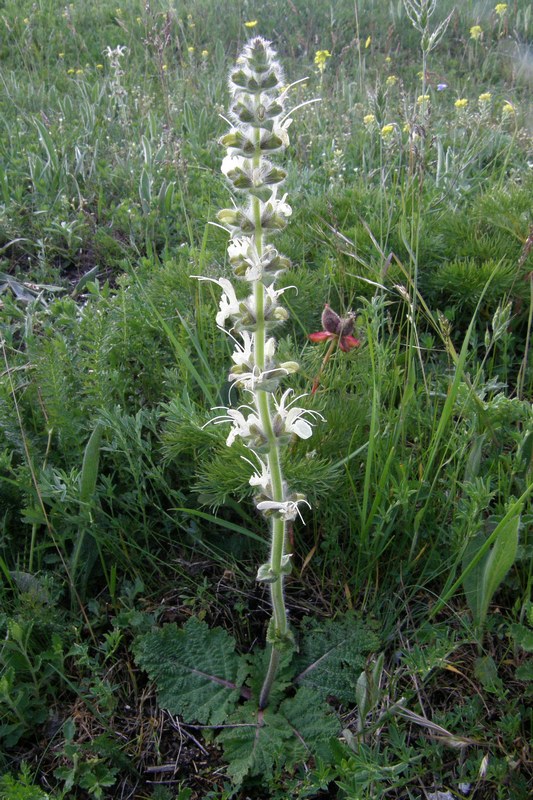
(337, 328)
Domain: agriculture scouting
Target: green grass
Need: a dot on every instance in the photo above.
(109, 180)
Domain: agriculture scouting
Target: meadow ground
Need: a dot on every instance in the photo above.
(121, 511)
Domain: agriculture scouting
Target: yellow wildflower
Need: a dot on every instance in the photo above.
(251, 23)
(165, 67)
(190, 50)
(205, 53)
(26, 21)
(79, 72)
(99, 66)
(368, 42)
(71, 71)
(485, 97)
(369, 119)
(462, 102)
(321, 56)
(138, 20)
(500, 9)
(508, 110)
(391, 80)
(407, 128)
(422, 98)
(61, 55)
(476, 32)
(387, 132)
(388, 59)
(118, 12)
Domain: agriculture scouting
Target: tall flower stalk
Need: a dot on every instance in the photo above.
(267, 421)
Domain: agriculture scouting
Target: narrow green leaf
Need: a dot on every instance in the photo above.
(91, 460)
(47, 143)
(485, 576)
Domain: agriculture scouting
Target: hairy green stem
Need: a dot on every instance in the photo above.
(264, 408)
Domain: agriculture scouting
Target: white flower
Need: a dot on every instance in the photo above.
(243, 354)
(245, 427)
(229, 305)
(239, 248)
(245, 259)
(275, 206)
(281, 130)
(262, 479)
(231, 163)
(286, 509)
(290, 420)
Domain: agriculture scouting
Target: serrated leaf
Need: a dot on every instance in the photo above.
(332, 656)
(523, 637)
(265, 743)
(525, 671)
(196, 670)
(313, 724)
(254, 747)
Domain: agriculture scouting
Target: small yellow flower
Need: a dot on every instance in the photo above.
(138, 20)
(99, 66)
(391, 80)
(190, 49)
(251, 23)
(205, 53)
(386, 132)
(61, 55)
(462, 102)
(118, 12)
(165, 67)
(388, 59)
(500, 9)
(26, 21)
(369, 119)
(422, 98)
(485, 97)
(79, 72)
(407, 128)
(368, 42)
(476, 32)
(508, 110)
(321, 56)
(71, 71)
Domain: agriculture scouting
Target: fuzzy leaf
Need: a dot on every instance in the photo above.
(332, 656)
(196, 670)
(313, 724)
(481, 582)
(251, 748)
(261, 744)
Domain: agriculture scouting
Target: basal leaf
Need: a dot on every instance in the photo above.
(332, 655)
(264, 743)
(196, 670)
(256, 745)
(313, 725)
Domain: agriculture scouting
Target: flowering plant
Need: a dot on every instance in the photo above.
(265, 424)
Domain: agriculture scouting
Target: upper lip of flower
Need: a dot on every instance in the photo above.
(292, 418)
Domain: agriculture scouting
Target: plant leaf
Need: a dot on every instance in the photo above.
(267, 742)
(196, 670)
(332, 656)
(482, 581)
